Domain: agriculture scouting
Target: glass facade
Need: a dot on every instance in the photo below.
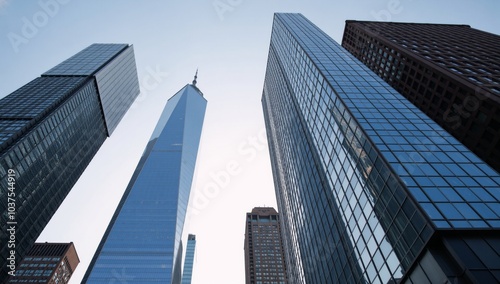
(450, 72)
(88, 61)
(143, 241)
(38, 97)
(187, 272)
(49, 131)
(363, 178)
(113, 66)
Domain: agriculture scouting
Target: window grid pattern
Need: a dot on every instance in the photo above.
(155, 201)
(187, 272)
(48, 160)
(421, 148)
(31, 102)
(451, 72)
(37, 97)
(264, 252)
(476, 252)
(51, 114)
(38, 270)
(361, 246)
(316, 90)
(8, 128)
(88, 61)
(118, 87)
(47, 263)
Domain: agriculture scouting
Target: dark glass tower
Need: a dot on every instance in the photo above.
(187, 272)
(264, 253)
(49, 131)
(450, 72)
(369, 189)
(142, 243)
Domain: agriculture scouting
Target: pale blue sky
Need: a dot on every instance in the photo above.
(228, 41)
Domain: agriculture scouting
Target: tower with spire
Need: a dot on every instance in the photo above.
(195, 77)
(142, 243)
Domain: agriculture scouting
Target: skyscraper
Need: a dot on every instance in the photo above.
(369, 189)
(49, 131)
(450, 72)
(142, 243)
(187, 272)
(47, 263)
(264, 254)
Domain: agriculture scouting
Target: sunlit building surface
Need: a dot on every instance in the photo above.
(50, 129)
(264, 254)
(369, 188)
(450, 72)
(142, 243)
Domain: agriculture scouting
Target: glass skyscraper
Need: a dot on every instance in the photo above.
(187, 272)
(142, 243)
(370, 190)
(450, 72)
(49, 131)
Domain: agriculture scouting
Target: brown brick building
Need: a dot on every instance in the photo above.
(47, 263)
(451, 72)
(264, 254)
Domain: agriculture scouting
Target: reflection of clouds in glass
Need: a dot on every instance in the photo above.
(121, 277)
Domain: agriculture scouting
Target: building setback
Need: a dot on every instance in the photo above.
(369, 188)
(142, 243)
(187, 272)
(264, 255)
(47, 263)
(450, 72)
(50, 129)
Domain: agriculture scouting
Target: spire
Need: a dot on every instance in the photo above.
(195, 76)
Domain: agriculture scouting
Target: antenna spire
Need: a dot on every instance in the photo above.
(195, 76)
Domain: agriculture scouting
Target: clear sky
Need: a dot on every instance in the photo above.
(228, 41)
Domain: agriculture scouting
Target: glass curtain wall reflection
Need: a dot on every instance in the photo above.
(370, 190)
(51, 128)
(142, 243)
(450, 72)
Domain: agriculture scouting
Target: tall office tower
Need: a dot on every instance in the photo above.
(47, 263)
(142, 243)
(369, 189)
(49, 131)
(450, 72)
(187, 272)
(264, 254)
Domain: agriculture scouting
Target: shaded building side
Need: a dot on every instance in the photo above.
(450, 72)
